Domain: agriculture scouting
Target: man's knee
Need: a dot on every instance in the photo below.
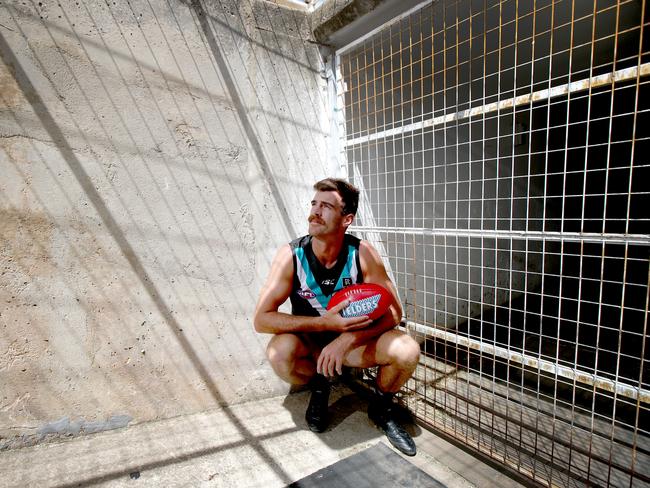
(283, 349)
(403, 350)
(290, 358)
(411, 351)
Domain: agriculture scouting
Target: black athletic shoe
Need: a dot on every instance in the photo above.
(316, 416)
(380, 411)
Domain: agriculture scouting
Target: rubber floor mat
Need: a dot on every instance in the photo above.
(377, 466)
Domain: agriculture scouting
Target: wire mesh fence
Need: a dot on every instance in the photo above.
(501, 148)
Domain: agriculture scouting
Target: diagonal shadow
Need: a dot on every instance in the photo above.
(49, 124)
(125, 471)
(229, 83)
(275, 99)
(285, 89)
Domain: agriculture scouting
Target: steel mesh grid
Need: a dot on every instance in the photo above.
(501, 149)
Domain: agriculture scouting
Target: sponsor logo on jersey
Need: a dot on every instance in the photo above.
(361, 307)
(328, 282)
(347, 282)
(306, 294)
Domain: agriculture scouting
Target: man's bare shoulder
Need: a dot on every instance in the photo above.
(283, 256)
(368, 251)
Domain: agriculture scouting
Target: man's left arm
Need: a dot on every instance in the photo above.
(374, 271)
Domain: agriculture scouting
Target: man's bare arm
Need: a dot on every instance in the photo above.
(374, 271)
(275, 292)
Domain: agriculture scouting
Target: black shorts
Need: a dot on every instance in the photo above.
(317, 340)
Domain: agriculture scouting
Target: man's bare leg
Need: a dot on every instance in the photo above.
(397, 356)
(295, 362)
(395, 353)
(291, 359)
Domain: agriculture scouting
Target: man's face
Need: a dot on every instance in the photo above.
(326, 215)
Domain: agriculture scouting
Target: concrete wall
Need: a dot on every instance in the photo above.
(153, 156)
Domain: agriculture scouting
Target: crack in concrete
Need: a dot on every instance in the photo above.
(23, 136)
(83, 150)
(282, 34)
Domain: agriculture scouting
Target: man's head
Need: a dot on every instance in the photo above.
(348, 192)
(333, 207)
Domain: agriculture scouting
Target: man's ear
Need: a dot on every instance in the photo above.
(348, 219)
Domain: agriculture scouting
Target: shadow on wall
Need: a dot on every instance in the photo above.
(136, 226)
(231, 88)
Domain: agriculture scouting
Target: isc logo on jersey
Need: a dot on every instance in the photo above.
(361, 307)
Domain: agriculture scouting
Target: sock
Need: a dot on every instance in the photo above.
(385, 398)
(319, 382)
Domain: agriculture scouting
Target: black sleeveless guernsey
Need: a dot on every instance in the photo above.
(314, 284)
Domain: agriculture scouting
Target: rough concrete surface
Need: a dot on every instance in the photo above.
(258, 444)
(154, 154)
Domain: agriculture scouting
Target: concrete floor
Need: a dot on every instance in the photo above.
(259, 444)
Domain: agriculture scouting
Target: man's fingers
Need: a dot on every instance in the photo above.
(361, 318)
(326, 366)
(352, 325)
(322, 366)
(339, 365)
(340, 306)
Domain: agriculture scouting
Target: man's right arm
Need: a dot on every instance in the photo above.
(275, 292)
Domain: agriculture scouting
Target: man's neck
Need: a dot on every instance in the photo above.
(327, 249)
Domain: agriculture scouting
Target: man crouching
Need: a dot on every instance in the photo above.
(311, 344)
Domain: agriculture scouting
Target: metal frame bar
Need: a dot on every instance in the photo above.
(628, 391)
(592, 237)
(625, 74)
(380, 28)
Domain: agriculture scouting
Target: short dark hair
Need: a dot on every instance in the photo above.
(349, 193)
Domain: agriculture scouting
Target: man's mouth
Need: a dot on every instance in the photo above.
(316, 220)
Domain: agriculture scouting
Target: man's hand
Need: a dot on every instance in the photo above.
(332, 356)
(335, 322)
